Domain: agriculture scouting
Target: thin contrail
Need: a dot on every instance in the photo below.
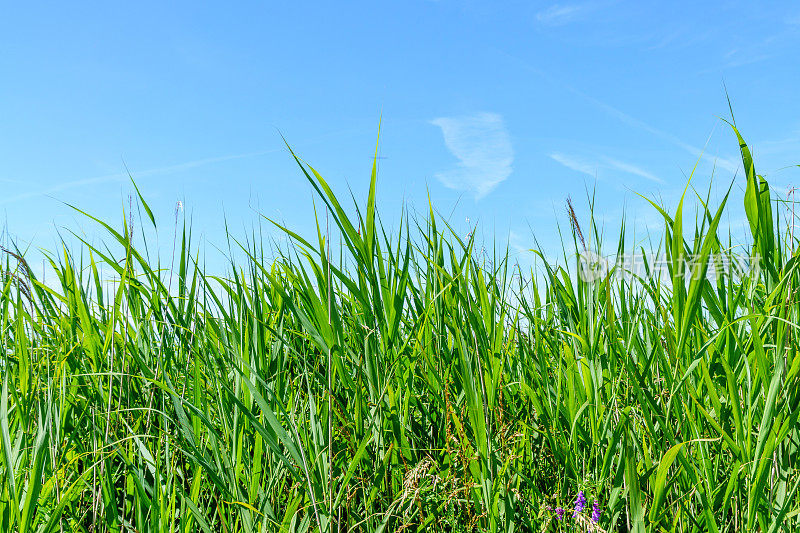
(123, 176)
(727, 164)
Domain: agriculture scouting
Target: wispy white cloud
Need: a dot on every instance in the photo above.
(558, 14)
(575, 163)
(483, 147)
(789, 146)
(632, 169)
(562, 14)
(739, 58)
(770, 44)
(730, 164)
(158, 171)
(12, 181)
(123, 176)
(592, 169)
(519, 244)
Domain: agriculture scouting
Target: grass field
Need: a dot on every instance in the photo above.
(401, 380)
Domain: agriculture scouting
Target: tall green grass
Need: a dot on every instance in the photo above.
(403, 381)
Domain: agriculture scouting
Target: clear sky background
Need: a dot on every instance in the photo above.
(496, 110)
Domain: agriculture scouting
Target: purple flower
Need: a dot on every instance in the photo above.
(595, 512)
(560, 513)
(580, 503)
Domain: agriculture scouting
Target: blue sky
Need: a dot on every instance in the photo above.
(497, 110)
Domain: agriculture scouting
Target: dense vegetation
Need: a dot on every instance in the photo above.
(404, 380)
